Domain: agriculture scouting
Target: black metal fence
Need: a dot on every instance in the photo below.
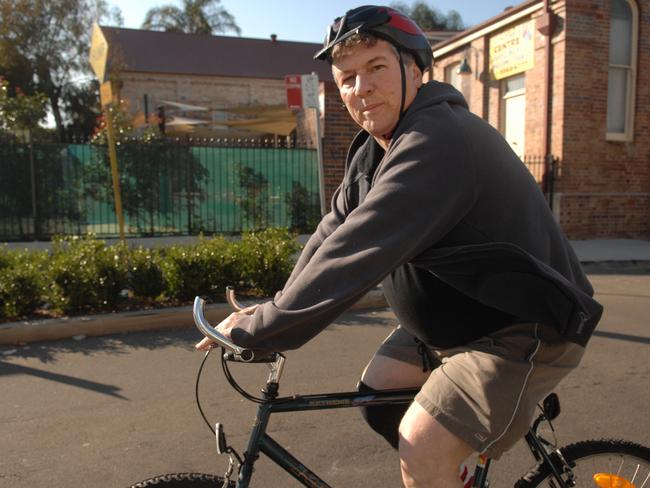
(544, 170)
(170, 188)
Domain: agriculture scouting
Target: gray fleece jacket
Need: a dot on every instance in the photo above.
(448, 196)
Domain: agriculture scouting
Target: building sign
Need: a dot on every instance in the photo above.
(105, 93)
(512, 51)
(294, 92)
(309, 85)
(98, 53)
(302, 91)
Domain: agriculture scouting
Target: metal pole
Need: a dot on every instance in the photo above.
(321, 167)
(32, 169)
(112, 154)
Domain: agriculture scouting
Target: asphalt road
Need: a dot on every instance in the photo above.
(110, 411)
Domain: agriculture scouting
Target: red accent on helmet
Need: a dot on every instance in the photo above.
(403, 23)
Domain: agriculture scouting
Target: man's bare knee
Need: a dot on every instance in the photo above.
(430, 455)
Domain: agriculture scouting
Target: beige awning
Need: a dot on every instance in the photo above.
(175, 120)
(185, 106)
(265, 126)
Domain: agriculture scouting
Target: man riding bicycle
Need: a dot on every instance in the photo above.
(494, 308)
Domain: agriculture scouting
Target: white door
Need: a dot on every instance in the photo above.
(514, 113)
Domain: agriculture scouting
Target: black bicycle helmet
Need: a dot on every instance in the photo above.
(385, 23)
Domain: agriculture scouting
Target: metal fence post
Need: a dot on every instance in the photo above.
(32, 176)
(551, 162)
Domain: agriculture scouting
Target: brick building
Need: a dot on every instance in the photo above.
(563, 80)
(238, 80)
(215, 86)
(589, 107)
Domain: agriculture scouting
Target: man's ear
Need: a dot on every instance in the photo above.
(417, 75)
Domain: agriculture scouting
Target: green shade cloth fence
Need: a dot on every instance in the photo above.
(167, 189)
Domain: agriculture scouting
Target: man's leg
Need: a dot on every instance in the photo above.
(384, 373)
(430, 455)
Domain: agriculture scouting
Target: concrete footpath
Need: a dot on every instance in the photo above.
(600, 256)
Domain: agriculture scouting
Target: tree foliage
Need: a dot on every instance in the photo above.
(430, 18)
(195, 17)
(44, 48)
(20, 112)
(153, 171)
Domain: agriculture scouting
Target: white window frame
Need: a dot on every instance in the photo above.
(451, 69)
(630, 95)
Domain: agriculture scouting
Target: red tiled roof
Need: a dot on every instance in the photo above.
(147, 51)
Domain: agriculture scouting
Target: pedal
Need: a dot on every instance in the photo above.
(220, 436)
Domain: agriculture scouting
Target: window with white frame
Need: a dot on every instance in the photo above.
(622, 70)
(453, 77)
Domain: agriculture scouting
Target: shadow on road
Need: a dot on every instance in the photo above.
(622, 337)
(12, 369)
(47, 352)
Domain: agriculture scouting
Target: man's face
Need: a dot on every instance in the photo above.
(370, 85)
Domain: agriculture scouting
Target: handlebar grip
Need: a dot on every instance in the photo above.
(207, 330)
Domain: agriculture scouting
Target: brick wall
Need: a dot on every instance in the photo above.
(604, 186)
(209, 91)
(339, 131)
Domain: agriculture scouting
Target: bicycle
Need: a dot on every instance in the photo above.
(605, 463)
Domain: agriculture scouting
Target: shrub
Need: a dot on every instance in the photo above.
(83, 274)
(86, 274)
(303, 208)
(204, 268)
(265, 259)
(145, 273)
(21, 282)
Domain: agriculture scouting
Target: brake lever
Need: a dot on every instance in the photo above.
(230, 296)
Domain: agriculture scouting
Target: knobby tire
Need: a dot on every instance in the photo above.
(598, 456)
(184, 480)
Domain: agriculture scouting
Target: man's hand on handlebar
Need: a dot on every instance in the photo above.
(225, 326)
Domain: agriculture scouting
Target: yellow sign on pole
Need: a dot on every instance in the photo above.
(98, 53)
(98, 56)
(513, 51)
(106, 94)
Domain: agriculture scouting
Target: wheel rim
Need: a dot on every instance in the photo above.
(611, 470)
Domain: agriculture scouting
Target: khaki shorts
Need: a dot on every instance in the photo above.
(486, 392)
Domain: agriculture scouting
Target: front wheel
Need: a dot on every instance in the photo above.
(184, 480)
(599, 464)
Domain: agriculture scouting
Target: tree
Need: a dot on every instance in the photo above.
(44, 46)
(81, 105)
(20, 112)
(196, 17)
(157, 177)
(430, 18)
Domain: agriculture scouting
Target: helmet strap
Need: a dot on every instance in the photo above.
(403, 73)
(389, 136)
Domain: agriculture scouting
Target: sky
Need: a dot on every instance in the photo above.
(305, 20)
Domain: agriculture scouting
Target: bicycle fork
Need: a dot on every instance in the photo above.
(260, 441)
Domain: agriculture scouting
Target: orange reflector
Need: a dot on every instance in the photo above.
(606, 480)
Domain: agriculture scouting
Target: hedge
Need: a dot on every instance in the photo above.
(85, 275)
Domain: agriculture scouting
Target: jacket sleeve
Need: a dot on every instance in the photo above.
(422, 189)
(327, 226)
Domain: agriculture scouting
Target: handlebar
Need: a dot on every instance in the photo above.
(246, 355)
(230, 296)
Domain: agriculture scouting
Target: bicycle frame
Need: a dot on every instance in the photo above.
(260, 441)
